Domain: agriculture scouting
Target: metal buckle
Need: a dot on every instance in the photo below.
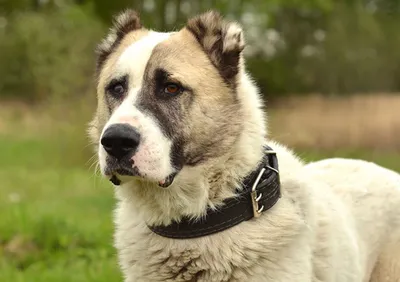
(271, 152)
(256, 198)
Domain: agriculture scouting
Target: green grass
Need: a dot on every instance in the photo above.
(56, 216)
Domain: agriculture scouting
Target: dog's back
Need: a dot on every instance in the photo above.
(372, 195)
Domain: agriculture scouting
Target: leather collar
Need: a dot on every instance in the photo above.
(260, 192)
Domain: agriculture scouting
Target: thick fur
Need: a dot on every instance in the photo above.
(125, 23)
(337, 221)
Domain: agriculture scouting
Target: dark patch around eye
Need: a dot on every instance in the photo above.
(169, 111)
(162, 79)
(115, 91)
(112, 85)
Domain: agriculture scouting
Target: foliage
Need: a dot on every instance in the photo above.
(48, 54)
(294, 46)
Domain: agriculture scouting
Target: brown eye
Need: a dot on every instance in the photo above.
(172, 89)
(118, 90)
(118, 87)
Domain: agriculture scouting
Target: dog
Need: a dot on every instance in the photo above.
(180, 131)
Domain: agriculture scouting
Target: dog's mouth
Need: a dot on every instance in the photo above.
(115, 180)
(119, 173)
(165, 183)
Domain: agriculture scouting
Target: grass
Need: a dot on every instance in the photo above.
(55, 214)
(55, 219)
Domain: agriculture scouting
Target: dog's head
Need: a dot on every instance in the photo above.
(167, 101)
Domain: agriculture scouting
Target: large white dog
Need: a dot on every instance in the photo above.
(181, 133)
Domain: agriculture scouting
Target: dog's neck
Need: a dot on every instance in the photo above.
(206, 185)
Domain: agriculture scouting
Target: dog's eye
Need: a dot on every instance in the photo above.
(117, 90)
(117, 87)
(172, 89)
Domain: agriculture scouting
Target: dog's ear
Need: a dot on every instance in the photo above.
(222, 41)
(123, 23)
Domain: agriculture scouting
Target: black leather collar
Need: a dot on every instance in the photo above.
(261, 190)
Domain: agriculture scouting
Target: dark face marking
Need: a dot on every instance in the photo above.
(117, 87)
(168, 110)
(188, 87)
(203, 119)
(177, 154)
(163, 81)
(116, 90)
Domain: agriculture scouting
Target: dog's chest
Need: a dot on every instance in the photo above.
(161, 262)
(250, 249)
(146, 258)
(174, 266)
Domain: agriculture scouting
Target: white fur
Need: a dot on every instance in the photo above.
(337, 220)
(233, 38)
(152, 157)
(134, 59)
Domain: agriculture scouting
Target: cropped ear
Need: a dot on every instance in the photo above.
(123, 23)
(222, 41)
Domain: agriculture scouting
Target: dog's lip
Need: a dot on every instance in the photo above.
(166, 182)
(120, 169)
(115, 172)
(127, 171)
(115, 180)
(115, 177)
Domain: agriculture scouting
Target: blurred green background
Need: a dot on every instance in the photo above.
(329, 71)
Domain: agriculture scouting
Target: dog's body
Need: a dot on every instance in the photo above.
(337, 220)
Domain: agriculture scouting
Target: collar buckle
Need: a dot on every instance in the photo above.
(262, 184)
(255, 197)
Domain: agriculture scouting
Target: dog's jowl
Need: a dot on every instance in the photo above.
(202, 196)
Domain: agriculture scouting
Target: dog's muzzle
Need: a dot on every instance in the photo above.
(120, 140)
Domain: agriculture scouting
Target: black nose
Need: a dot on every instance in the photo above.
(120, 140)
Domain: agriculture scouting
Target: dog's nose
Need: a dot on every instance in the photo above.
(120, 140)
